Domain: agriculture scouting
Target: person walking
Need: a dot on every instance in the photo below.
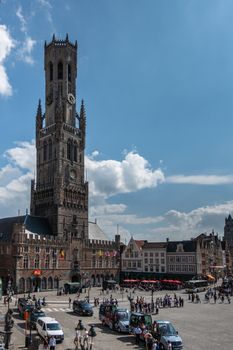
(137, 332)
(52, 343)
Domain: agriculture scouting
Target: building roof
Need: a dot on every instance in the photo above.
(95, 232)
(139, 243)
(188, 246)
(33, 224)
(154, 245)
(38, 225)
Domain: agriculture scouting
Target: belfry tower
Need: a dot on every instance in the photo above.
(59, 191)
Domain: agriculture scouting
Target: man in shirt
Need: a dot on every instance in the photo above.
(137, 332)
(52, 343)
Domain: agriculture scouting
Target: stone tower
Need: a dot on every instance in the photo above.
(59, 191)
(228, 231)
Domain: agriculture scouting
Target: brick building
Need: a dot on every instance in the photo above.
(56, 242)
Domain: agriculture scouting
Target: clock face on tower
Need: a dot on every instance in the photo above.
(73, 174)
(71, 98)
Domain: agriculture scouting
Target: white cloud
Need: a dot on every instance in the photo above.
(47, 6)
(200, 179)
(111, 177)
(23, 156)
(22, 20)
(6, 45)
(25, 49)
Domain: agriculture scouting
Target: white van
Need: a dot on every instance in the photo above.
(48, 326)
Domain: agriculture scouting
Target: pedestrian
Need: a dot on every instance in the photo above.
(69, 302)
(85, 339)
(45, 344)
(52, 343)
(137, 332)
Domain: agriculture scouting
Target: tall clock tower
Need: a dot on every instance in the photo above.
(59, 191)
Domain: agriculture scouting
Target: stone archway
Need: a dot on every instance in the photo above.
(44, 283)
(56, 283)
(29, 284)
(21, 285)
(93, 280)
(50, 283)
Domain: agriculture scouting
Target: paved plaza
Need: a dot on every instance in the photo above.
(204, 326)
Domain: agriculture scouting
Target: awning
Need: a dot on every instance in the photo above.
(210, 277)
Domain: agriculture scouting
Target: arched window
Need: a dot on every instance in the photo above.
(50, 149)
(75, 149)
(60, 71)
(50, 71)
(45, 151)
(37, 261)
(69, 72)
(69, 150)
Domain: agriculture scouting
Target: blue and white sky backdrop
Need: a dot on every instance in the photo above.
(157, 80)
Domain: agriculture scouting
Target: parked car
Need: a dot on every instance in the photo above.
(48, 326)
(24, 305)
(114, 317)
(167, 333)
(82, 308)
(34, 315)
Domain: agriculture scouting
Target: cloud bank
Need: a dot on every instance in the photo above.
(111, 178)
(6, 45)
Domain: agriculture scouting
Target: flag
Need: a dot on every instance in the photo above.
(62, 254)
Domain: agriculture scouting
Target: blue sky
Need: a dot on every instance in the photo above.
(157, 80)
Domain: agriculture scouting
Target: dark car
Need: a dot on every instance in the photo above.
(24, 305)
(35, 314)
(82, 308)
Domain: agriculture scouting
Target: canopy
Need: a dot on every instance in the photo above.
(129, 281)
(149, 281)
(210, 277)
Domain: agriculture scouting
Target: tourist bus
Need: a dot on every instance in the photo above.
(195, 286)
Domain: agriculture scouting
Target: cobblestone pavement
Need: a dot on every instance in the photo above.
(205, 326)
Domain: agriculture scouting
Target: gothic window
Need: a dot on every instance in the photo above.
(69, 150)
(60, 71)
(69, 72)
(25, 262)
(50, 71)
(47, 262)
(75, 149)
(37, 261)
(54, 262)
(45, 151)
(50, 149)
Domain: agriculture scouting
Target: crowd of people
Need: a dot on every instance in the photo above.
(140, 305)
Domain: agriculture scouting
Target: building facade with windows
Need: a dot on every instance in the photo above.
(132, 257)
(183, 258)
(56, 241)
(154, 257)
